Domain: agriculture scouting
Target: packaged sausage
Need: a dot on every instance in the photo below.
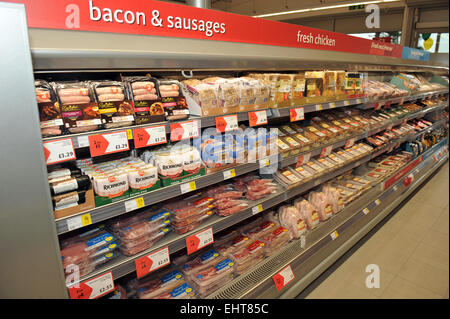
(68, 199)
(49, 109)
(147, 105)
(79, 110)
(314, 83)
(114, 108)
(81, 182)
(173, 101)
(201, 262)
(261, 230)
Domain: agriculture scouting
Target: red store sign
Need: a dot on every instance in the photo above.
(158, 18)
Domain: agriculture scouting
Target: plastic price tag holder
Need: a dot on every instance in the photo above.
(283, 278)
(83, 141)
(377, 202)
(149, 136)
(229, 174)
(319, 107)
(334, 235)
(108, 143)
(264, 162)
(152, 262)
(366, 211)
(346, 103)
(58, 151)
(257, 209)
(350, 142)
(199, 240)
(326, 151)
(134, 204)
(187, 187)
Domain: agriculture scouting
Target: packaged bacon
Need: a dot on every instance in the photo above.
(215, 276)
(276, 239)
(247, 257)
(261, 230)
(158, 284)
(201, 262)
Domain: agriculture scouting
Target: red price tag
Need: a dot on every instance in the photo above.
(149, 136)
(199, 240)
(284, 277)
(93, 288)
(297, 114)
(58, 151)
(184, 130)
(326, 151)
(226, 123)
(349, 143)
(108, 143)
(302, 159)
(257, 118)
(152, 262)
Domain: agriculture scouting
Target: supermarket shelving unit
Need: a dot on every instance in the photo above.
(31, 264)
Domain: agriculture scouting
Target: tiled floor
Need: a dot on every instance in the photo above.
(411, 250)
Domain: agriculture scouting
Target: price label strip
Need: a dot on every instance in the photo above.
(152, 262)
(229, 174)
(257, 118)
(302, 159)
(366, 211)
(199, 240)
(93, 288)
(79, 221)
(134, 204)
(283, 278)
(58, 151)
(319, 107)
(226, 123)
(149, 136)
(257, 209)
(297, 114)
(108, 143)
(184, 130)
(346, 103)
(332, 105)
(188, 187)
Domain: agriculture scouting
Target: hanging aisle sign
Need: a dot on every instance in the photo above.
(159, 18)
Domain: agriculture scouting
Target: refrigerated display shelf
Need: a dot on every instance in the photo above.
(380, 103)
(258, 282)
(341, 143)
(120, 207)
(80, 140)
(124, 265)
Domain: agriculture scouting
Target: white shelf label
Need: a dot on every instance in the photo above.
(257, 118)
(184, 130)
(377, 202)
(58, 151)
(334, 235)
(108, 143)
(83, 141)
(229, 174)
(319, 107)
(302, 241)
(188, 187)
(134, 204)
(149, 136)
(346, 103)
(257, 209)
(366, 211)
(284, 277)
(79, 221)
(264, 162)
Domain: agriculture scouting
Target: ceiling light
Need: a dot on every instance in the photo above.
(322, 8)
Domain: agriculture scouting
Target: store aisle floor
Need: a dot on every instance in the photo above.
(411, 250)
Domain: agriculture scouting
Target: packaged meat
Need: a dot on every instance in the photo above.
(298, 86)
(189, 227)
(208, 280)
(261, 230)
(314, 83)
(173, 101)
(237, 242)
(115, 110)
(307, 212)
(291, 220)
(142, 228)
(316, 166)
(183, 291)
(68, 199)
(202, 215)
(321, 204)
(49, 109)
(276, 239)
(333, 198)
(81, 182)
(169, 164)
(287, 177)
(305, 172)
(130, 248)
(201, 262)
(247, 257)
(79, 110)
(232, 210)
(257, 195)
(147, 105)
(158, 284)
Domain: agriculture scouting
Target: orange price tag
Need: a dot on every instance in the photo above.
(149, 136)
(226, 123)
(152, 262)
(302, 159)
(108, 143)
(284, 277)
(257, 118)
(297, 114)
(93, 288)
(199, 240)
(58, 151)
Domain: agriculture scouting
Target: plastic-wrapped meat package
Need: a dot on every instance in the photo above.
(141, 244)
(49, 110)
(320, 203)
(192, 161)
(185, 209)
(210, 279)
(333, 198)
(121, 222)
(201, 262)
(275, 240)
(240, 183)
(157, 285)
(264, 228)
(247, 257)
(181, 292)
(189, 227)
(230, 194)
(203, 215)
(291, 220)
(307, 212)
(142, 228)
(169, 163)
(239, 241)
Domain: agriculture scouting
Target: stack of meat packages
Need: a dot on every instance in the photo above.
(82, 253)
(68, 187)
(140, 231)
(229, 198)
(189, 213)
